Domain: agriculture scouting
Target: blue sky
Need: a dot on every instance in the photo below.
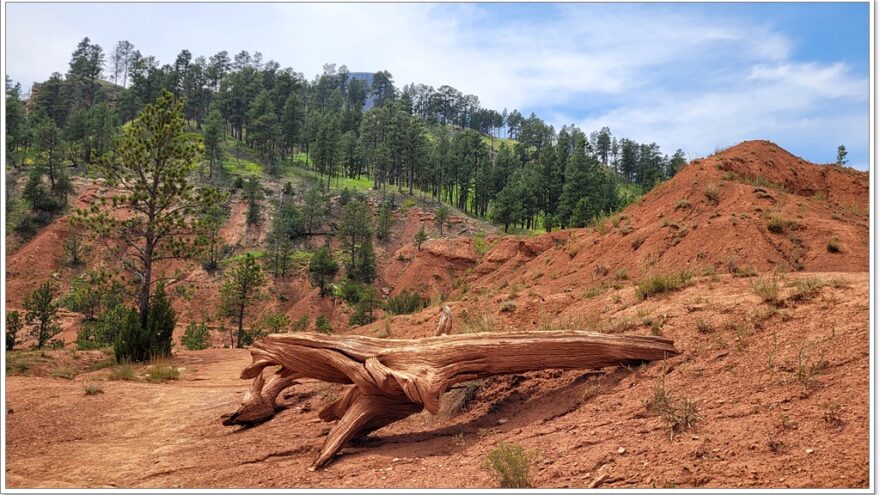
(690, 76)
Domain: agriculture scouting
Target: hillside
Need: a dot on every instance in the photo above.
(770, 313)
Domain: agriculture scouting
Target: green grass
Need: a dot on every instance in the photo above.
(257, 254)
(92, 389)
(363, 183)
(124, 373)
(511, 465)
(161, 373)
(659, 284)
(498, 142)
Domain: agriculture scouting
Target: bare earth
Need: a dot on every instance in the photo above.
(781, 390)
(169, 435)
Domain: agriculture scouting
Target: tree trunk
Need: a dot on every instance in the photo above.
(393, 379)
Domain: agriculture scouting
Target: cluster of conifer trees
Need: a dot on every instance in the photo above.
(514, 169)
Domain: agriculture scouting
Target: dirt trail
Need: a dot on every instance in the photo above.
(169, 435)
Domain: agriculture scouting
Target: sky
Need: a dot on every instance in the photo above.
(698, 77)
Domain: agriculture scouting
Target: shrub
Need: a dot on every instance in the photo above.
(405, 303)
(476, 322)
(508, 307)
(162, 372)
(460, 397)
(344, 196)
(659, 284)
(833, 245)
(678, 414)
(510, 464)
(134, 343)
(123, 372)
(806, 289)
(480, 244)
(104, 331)
(780, 225)
(682, 204)
(92, 389)
(406, 205)
(711, 194)
(276, 323)
(301, 324)
(14, 324)
(42, 314)
(766, 289)
(351, 291)
(322, 324)
(704, 326)
(196, 337)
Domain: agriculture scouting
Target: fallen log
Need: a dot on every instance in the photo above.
(393, 379)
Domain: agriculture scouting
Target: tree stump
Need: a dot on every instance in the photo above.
(393, 378)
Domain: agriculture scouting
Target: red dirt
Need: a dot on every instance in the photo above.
(739, 360)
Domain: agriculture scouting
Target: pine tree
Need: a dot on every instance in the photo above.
(14, 325)
(441, 217)
(355, 233)
(42, 314)
(841, 155)
(322, 269)
(213, 138)
(421, 237)
(383, 227)
(150, 168)
(241, 288)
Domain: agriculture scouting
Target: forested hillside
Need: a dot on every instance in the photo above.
(513, 169)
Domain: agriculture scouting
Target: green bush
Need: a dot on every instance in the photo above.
(301, 324)
(322, 324)
(510, 464)
(659, 284)
(134, 343)
(14, 323)
(351, 291)
(124, 373)
(405, 303)
(196, 337)
(161, 372)
(276, 323)
(766, 289)
(104, 331)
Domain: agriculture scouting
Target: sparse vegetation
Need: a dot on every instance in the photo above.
(161, 372)
(659, 284)
(806, 289)
(833, 245)
(511, 464)
(508, 307)
(711, 194)
(705, 326)
(196, 337)
(322, 325)
(406, 302)
(779, 225)
(678, 414)
(92, 389)
(460, 397)
(123, 372)
(767, 289)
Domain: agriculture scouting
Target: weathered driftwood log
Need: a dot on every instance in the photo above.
(444, 326)
(396, 378)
